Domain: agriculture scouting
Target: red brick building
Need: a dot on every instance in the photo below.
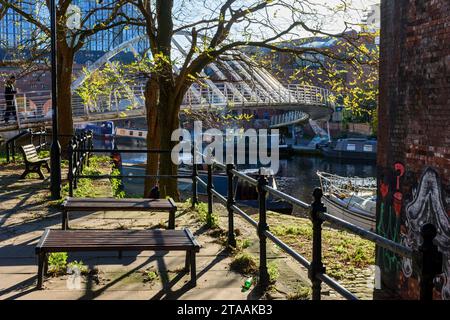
(414, 138)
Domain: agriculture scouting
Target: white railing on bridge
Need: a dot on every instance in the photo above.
(35, 106)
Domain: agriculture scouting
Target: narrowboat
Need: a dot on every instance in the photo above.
(351, 149)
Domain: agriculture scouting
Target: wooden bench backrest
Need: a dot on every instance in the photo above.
(29, 152)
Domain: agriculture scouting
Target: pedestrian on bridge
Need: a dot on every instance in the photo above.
(10, 98)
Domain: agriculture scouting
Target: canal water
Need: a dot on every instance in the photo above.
(297, 175)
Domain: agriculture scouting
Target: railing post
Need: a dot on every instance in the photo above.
(262, 227)
(75, 162)
(230, 203)
(209, 188)
(430, 261)
(316, 262)
(194, 179)
(90, 146)
(70, 174)
(8, 160)
(13, 150)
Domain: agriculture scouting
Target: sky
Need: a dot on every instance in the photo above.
(320, 14)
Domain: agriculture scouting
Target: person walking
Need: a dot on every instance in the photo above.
(10, 98)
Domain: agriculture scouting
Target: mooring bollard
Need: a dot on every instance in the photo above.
(230, 203)
(430, 261)
(262, 227)
(316, 263)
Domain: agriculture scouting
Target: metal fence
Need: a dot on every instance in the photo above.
(426, 256)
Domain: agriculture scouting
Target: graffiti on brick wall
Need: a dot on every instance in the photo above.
(389, 218)
(427, 206)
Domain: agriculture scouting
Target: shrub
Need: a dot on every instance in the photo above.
(57, 263)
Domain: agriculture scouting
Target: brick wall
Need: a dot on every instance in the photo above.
(414, 136)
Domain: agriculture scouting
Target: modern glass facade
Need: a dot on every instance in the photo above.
(15, 30)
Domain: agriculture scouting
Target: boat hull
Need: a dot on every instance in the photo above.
(362, 220)
(349, 155)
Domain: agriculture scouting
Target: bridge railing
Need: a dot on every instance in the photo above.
(35, 106)
(427, 255)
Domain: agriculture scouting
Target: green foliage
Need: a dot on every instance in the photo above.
(304, 230)
(116, 185)
(302, 293)
(105, 84)
(211, 221)
(272, 269)
(243, 244)
(245, 264)
(78, 265)
(57, 263)
(150, 276)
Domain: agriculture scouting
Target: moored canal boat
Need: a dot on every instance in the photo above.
(352, 199)
(351, 149)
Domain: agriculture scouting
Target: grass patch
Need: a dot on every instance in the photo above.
(344, 254)
(274, 274)
(302, 293)
(87, 188)
(150, 275)
(244, 263)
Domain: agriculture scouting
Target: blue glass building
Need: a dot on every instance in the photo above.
(15, 30)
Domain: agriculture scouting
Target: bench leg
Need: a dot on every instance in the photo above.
(172, 219)
(25, 173)
(45, 264)
(41, 267)
(193, 269)
(46, 165)
(65, 220)
(187, 263)
(39, 172)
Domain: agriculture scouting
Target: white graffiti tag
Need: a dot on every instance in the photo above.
(426, 207)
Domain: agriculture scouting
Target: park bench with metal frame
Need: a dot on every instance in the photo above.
(33, 163)
(116, 240)
(112, 204)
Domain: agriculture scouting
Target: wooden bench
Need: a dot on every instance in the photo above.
(116, 240)
(111, 204)
(32, 161)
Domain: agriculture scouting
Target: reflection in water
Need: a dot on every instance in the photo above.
(297, 176)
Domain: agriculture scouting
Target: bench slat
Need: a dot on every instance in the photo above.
(117, 204)
(113, 240)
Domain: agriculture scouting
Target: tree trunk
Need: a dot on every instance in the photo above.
(168, 110)
(153, 137)
(64, 99)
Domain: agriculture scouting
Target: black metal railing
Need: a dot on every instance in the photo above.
(426, 255)
(12, 144)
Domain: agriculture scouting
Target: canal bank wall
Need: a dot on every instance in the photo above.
(414, 138)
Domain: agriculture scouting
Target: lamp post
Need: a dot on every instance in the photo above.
(55, 150)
